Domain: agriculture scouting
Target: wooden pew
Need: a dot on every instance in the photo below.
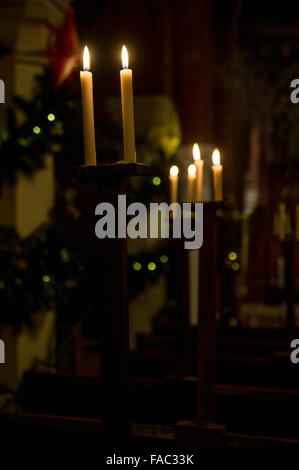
(56, 429)
(246, 409)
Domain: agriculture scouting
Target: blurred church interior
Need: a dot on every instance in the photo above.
(150, 343)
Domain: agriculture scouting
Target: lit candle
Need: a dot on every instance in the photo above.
(126, 84)
(217, 176)
(282, 221)
(199, 171)
(191, 182)
(297, 222)
(173, 181)
(87, 109)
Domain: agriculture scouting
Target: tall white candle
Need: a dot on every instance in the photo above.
(126, 84)
(173, 182)
(191, 182)
(217, 176)
(87, 110)
(199, 171)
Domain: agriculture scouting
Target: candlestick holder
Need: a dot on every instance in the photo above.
(111, 181)
(183, 285)
(119, 170)
(288, 245)
(206, 331)
(204, 431)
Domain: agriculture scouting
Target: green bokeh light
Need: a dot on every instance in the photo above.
(151, 266)
(18, 281)
(156, 180)
(232, 256)
(51, 117)
(164, 259)
(137, 266)
(36, 130)
(235, 266)
(46, 278)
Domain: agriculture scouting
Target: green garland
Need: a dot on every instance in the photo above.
(34, 128)
(41, 269)
(35, 272)
(23, 146)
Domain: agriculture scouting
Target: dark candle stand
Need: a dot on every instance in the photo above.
(288, 247)
(288, 252)
(206, 332)
(111, 181)
(204, 433)
(184, 331)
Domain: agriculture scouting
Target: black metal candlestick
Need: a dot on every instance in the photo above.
(182, 286)
(288, 251)
(206, 331)
(204, 433)
(289, 285)
(111, 181)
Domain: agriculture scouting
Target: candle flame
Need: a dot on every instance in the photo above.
(174, 171)
(125, 57)
(192, 170)
(86, 59)
(196, 152)
(216, 157)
